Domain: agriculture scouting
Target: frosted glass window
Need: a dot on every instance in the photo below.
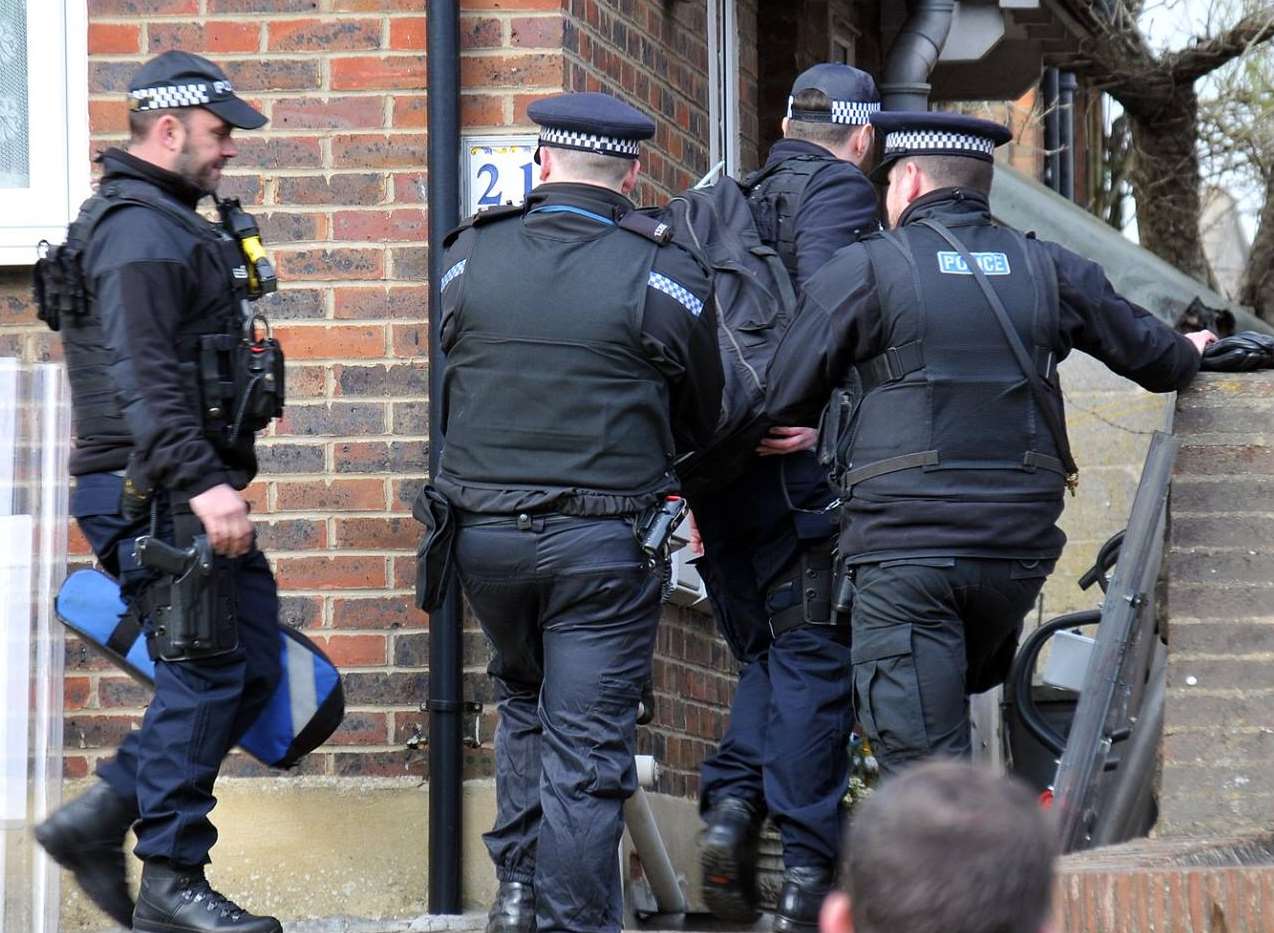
(15, 130)
(44, 171)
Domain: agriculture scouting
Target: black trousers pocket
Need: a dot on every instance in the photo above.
(887, 690)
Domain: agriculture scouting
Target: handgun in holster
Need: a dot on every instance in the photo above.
(191, 607)
(654, 527)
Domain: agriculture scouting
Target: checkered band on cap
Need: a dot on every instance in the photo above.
(179, 95)
(590, 142)
(938, 141)
(849, 112)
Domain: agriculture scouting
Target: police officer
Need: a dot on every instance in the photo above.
(581, 356)
(164, 292)
(955, 461)
(768, 538)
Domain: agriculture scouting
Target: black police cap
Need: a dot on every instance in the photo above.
(935, 133)
(591, 122)
(180, 79)
(852, 93)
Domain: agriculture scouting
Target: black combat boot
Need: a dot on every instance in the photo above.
(804, 888)
(727, 859)
(513, 910)
(86, 837)
(178, 899)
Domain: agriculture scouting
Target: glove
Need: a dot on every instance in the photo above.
(1243, 352)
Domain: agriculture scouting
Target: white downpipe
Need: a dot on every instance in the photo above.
(644, 832)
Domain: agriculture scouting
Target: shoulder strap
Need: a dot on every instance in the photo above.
(1024, 361)
(118, 196)
(644, 225)
(484, 216)
(808, 164)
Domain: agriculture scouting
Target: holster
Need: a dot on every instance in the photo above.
(191, 609)
(433, 556)
(803, 595)
(835, 431)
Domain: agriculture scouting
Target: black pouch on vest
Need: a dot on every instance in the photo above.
(259, 379)
(191, 609)
(433, 556)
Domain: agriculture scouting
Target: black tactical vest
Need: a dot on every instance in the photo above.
(947, 414)
(548, 389)
(775, 195)
(205, 340)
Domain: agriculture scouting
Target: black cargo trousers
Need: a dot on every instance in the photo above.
(927, 632)
(571, 607)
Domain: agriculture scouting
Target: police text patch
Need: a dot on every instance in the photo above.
(950, 263)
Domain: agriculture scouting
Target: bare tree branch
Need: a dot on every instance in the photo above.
(1192, 63)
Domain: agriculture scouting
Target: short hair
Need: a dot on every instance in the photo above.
(948, 847)
(141, 121)
(592, 166)
(828, 135)
(956, 171)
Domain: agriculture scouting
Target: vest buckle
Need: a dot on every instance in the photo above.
(893, 364)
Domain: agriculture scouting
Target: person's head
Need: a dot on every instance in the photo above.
(926, 152)
(946, 847)
(590, 138)
(830, 106)
(182, 111)
(589, 168)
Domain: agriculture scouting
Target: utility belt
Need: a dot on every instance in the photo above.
(652, 528)
(192, 606)
(803, 594)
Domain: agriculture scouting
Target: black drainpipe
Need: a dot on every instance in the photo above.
(1066, 135)
(1052, 131)
(446, 709)
(914, 53)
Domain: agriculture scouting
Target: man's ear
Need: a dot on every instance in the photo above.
(630, 179)
(864, 141)
(914, 181)
(835, 917)
(170, 132)
(546, 163)
(783, 126)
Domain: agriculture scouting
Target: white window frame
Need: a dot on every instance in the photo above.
(57, 101)
(723, 85)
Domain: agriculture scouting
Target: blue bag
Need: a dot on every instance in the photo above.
(307, 706)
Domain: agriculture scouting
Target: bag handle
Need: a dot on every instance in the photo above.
(1051, 418)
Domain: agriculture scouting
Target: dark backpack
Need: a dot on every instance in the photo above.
(755, 303)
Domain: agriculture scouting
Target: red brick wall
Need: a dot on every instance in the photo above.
(337, 180)
(656, 55)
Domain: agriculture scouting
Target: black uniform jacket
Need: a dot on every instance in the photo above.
(680, 345)
(153, 279)
(839, 206)
(840, 324)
